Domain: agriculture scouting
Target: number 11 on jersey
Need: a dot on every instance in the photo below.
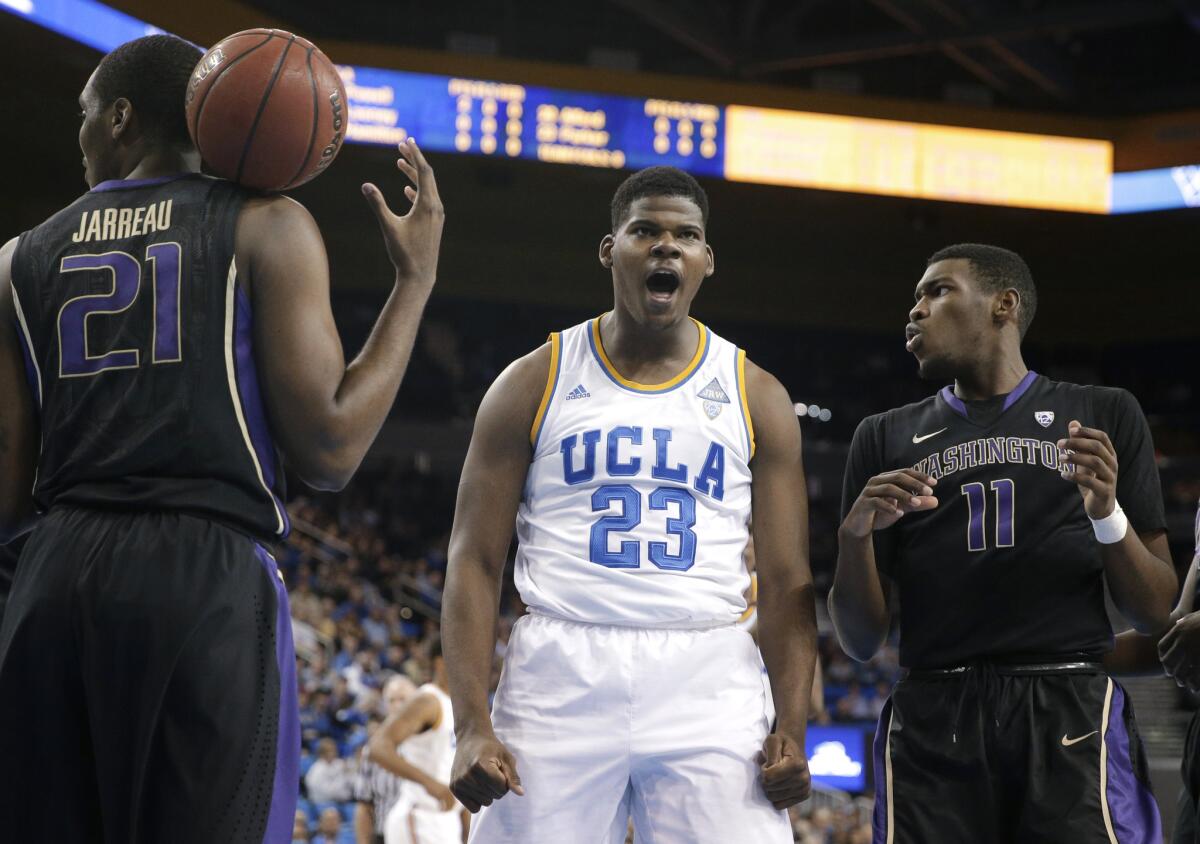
(977, 514)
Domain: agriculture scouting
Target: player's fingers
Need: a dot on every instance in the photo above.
(1078, 446)
(1168, 638)
(411, 193)
(508, 765)
(1098, 465)
(899, 493)
(772, 750)
(468, 796)
(1086, 480)
(912, 483)
(917, 475)
(426, 182)
(407, 169)
(1076, 429)
(378, 204)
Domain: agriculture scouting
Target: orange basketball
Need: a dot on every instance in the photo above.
(267, 109)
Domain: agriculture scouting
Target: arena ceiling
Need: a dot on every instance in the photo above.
(1097, 57)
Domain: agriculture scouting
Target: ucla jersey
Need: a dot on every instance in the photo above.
(637, 500)
(431, 751)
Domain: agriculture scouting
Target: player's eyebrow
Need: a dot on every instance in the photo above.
(928, 283)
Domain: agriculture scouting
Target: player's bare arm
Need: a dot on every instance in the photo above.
(324, 413)
(858, 600)
(364, 823)
(787, 623)
(1179, 649)
(421, 713)
(1138, 568)
(489, 491)
(18, 423)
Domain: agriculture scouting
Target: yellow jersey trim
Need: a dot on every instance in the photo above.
(741, 374)
(548, 393)
(611, 371)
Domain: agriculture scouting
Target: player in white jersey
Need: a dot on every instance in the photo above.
(426, 812)
(628, 449)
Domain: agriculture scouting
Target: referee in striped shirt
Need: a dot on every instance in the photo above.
(376, 789)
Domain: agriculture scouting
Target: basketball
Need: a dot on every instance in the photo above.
(266, 109)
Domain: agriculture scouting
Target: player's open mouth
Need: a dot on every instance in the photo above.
(662, 284)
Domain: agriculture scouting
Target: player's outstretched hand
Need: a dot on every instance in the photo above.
(414, 239)
(785, 775)
(483, 771)
(1092, 466)
(1179, 651)
(886, 498)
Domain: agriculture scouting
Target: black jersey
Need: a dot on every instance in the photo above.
(1007, 563)
(138, 347)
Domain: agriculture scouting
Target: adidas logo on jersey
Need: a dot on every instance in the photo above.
(578, 393)
(714, 398)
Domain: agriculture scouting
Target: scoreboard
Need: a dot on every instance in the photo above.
(740, 143)
(717, 140)
(506, 120)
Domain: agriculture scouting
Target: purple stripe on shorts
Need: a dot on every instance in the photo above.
(1131, 806)
(251, 397)
(287, 750)
(879, 819)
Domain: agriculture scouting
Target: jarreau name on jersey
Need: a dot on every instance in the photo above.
(120, 223)
(991, 450)
(710, 480)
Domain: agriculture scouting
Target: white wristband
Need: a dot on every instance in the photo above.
(1111, 528)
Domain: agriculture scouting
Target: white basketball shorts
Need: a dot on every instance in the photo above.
(608, 723)
(407, 824)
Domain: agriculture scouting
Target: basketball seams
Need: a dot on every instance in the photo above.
(218, 76)
(262, 106)
(316, 121)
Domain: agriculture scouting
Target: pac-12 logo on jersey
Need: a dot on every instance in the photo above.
(1044, 417)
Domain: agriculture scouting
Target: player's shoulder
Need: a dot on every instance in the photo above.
(1103, 399)
(68, 215)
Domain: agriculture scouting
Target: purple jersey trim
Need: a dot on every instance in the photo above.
(251, 398)
(956, 404)
(284, 791)
(126, 184)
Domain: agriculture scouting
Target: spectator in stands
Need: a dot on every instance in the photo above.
(329, 827)
(854, 705)
(300, 828)
(329, 778)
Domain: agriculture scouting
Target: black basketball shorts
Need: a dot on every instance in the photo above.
(147, 685)
(989, 754)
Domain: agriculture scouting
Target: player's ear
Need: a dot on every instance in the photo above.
(1006, 306)
(606, 247)
(122, 117)
(712, 261)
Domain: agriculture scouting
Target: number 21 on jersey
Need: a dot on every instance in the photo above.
(75, 358)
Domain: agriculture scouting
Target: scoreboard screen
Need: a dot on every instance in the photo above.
(722, 141)
(506, 120)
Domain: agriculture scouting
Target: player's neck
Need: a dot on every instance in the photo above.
(162, 162)
(991, 376)
(628, 343)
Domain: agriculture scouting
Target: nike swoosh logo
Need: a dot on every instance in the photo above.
(1067, 742)
(917, 439)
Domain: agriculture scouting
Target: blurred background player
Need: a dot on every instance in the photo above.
(427, 812)
(1007, 727)
(627, 448)
(158, 338)
(376, 789)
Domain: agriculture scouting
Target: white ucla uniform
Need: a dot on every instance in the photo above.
(629, 691)
(417, 817)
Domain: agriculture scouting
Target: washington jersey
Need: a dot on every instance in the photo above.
(137, 340)
(637, 500)
(431, 751)
(1007, 564)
